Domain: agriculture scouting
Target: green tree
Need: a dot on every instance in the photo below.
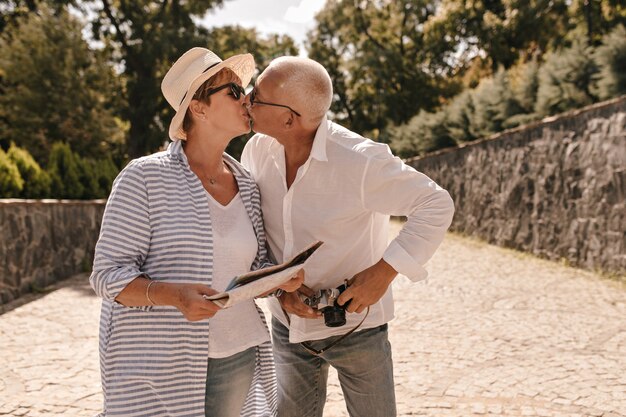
(565, 80)
(64, 168)
(425, 132)
(374, 51)
(11, 11)
(494, 103)
(611, 60)
(461, 117)
(145, 37)
(106, 170)
(498, 31)
(55, 88)
(231, 40)
(36, 180)
(11, 182)
(595, 18)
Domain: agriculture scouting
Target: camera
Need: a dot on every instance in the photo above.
(326, 302)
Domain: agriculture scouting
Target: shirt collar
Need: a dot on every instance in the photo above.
(318, 151)
(175, 150)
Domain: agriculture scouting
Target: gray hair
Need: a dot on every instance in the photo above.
(308, 83)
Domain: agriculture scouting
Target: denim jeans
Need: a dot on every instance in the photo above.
(363, 363)
(228, 382)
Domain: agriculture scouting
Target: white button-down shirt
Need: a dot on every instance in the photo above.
(343, 195)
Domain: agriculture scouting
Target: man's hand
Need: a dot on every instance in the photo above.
(291, 303)
(188, 298)
(367, 287)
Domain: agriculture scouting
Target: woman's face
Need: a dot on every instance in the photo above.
(226, 112)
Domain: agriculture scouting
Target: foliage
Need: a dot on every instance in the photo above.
(106, 170)
(74, 177)
(11, 11)
(569, 78)
(498, 31)
(524, 83)
(230, 40)
(375, 54)
(124, 27)
(55, 88)
(565, 80)
(36, 180)
(64, 167)
(611, 60)
(461, 112)
(593, 19)
(11, 182)
(426, 132)
(494, 103)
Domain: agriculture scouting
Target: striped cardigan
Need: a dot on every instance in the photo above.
(153, 361)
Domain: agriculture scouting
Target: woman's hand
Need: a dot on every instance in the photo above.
(189, 299)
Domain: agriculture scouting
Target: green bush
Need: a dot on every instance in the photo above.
(565, 80)
(76, 178)
(524, 80)
(425, 132)
(494, 103)
(461, 118)
(65, 172)
(36, 180)
(11, 182)
(87, 176)
(611, 60)
(106, 171)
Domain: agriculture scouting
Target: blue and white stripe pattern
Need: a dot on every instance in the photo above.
(153, 361)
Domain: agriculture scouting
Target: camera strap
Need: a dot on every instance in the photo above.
(317, 352)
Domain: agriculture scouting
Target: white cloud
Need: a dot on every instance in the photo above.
(281, 16)
(304, 12)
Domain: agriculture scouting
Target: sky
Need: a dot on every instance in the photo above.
(290, 17)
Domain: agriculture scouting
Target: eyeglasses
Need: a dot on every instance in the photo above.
(254, 101)
(236, 90)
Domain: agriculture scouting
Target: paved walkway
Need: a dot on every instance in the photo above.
(494, 333)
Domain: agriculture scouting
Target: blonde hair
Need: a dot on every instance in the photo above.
(307, 82)
(224, 76)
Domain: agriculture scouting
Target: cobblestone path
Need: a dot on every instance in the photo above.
(493, 333)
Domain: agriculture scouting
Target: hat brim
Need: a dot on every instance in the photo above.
(242, 65)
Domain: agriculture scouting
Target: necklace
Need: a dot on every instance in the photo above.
(213, 180)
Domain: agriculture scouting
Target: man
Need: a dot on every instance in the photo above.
(320, 181)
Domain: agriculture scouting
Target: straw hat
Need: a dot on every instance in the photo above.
(187, 75)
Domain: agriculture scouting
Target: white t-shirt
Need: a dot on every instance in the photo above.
(239, 327)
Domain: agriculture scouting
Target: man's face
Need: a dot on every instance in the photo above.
(268, 105)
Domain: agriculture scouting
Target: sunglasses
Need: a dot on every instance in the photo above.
(236, 90)
(254, 101)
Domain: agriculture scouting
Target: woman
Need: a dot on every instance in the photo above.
(179, 225)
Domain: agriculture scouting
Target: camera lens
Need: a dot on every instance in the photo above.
(334, 316)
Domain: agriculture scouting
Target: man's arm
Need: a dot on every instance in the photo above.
(392, 187)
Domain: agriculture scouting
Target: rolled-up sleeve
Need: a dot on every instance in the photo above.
(124, 235)
(392, 187)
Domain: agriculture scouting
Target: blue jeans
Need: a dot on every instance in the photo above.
(363, 363)
(228, 382)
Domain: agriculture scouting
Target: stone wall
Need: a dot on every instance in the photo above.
(44, 241)
(556, 188)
